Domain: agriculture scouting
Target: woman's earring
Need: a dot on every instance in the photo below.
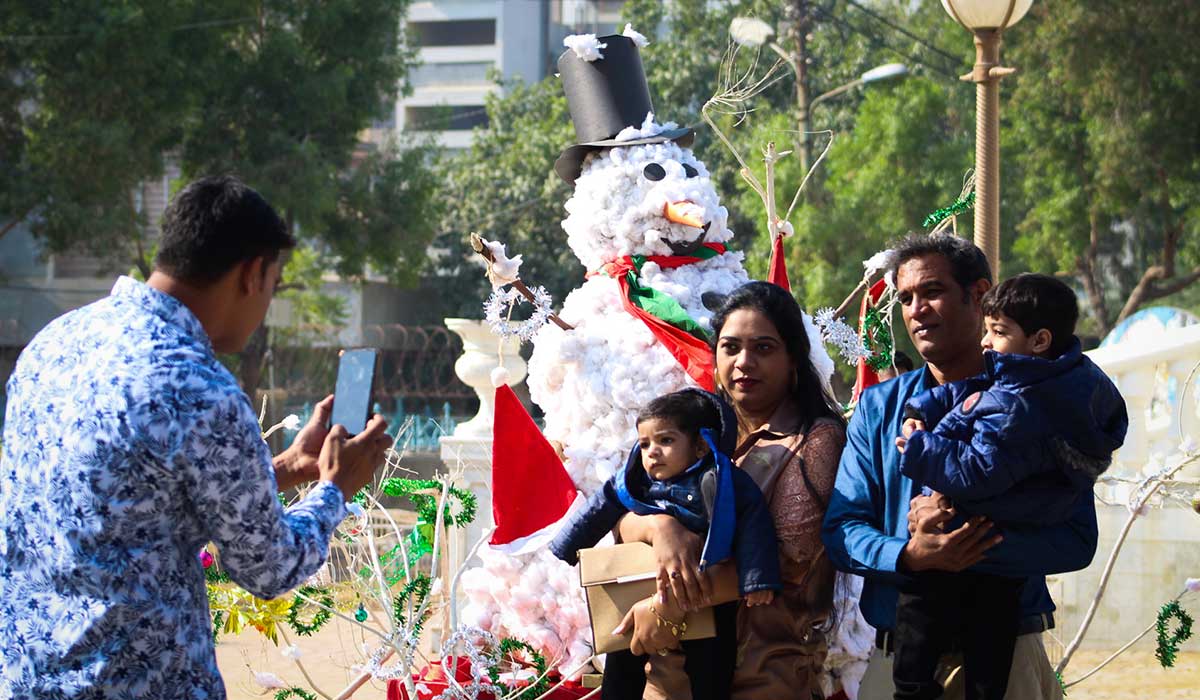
(717, 382)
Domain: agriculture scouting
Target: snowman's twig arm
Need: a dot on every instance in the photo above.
(478, 246)
(842, 308)
(811, 170)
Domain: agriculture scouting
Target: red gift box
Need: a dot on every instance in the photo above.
(433, 678)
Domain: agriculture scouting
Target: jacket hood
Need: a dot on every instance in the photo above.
(1083, 406)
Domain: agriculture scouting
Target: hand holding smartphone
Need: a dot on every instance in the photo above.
(355, 384)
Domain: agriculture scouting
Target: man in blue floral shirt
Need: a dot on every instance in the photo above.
(128, 446)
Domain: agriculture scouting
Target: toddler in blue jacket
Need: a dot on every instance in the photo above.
(680, 467)
(1020, 443)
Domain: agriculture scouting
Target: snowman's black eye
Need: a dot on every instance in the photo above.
(654, 172)
(689, 171)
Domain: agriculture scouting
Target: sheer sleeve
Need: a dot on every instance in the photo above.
(797, 514)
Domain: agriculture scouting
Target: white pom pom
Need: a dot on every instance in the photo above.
(499, 377)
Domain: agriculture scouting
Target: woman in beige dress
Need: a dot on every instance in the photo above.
(790, 436)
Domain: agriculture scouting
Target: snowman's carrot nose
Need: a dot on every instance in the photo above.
(685, 212)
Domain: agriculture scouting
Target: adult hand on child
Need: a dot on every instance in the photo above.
(678, 552)
(930, 548)
(935, 507)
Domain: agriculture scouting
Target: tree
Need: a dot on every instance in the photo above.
(276, 91)
(1106, 129)
(94, 94)
(504, 188)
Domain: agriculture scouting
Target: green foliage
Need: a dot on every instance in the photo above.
(504, 187)
(276, 91)
(1106, 142)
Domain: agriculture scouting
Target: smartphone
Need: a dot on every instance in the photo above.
(355, 383)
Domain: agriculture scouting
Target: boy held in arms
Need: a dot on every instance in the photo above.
(680, 467)
(1020, 443)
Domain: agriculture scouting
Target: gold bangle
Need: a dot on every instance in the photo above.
(677, 628)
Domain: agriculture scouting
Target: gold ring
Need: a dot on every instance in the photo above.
(663, 652)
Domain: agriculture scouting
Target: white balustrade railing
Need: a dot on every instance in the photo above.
(1152, 377)
(1162, 547)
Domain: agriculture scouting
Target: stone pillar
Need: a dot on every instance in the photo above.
(469, 449)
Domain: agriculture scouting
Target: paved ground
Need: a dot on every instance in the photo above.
(329, 654)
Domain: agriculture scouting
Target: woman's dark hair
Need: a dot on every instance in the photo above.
(689, 411)
(781, 309)
(214, 224)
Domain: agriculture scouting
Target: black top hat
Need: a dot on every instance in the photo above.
(604, 97)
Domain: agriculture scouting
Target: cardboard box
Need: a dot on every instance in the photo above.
(614, 578)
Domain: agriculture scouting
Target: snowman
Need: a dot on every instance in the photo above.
(648, 225)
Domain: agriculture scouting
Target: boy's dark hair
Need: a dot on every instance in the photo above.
(968, 264)
(1036, 302)
(902, 361)
(689, 411)
(214, 224)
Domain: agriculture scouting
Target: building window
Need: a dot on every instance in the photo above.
(445, 118)
(434, 74)
(464, 32)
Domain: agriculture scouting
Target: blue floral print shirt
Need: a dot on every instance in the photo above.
(128, 447)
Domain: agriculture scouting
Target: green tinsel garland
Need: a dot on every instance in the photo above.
(218, 621)
(427, 505)
(1061, 683)
(508, 645)
(878, 339)
(1168, 646)
(417, 589)
(959, 206)
(214, 575)
(294, 692)
(319, 618)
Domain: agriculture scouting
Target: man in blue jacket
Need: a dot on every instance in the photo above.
(941, 280)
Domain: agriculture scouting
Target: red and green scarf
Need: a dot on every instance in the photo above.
(671, 325)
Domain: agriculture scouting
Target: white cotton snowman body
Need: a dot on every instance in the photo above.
(591, 381)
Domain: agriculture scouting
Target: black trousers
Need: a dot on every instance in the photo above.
(939, 612)
(709, 663)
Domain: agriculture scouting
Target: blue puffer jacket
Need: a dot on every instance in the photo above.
(1020, 442)
(712, 498)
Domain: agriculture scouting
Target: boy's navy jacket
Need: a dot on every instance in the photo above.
(741, 524)
(1020, 442)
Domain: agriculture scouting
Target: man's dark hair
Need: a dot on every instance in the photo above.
(1036, 302)
(968, 264)
(902, 361)
(214, 224)
(689, 411)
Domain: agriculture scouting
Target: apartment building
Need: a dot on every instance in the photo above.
(463, 41)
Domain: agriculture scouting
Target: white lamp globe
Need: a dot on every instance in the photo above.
(986, 14)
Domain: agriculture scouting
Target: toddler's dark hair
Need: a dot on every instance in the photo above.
(689, 411)
(1036, 302)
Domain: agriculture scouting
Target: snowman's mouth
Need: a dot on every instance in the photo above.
(689, 247)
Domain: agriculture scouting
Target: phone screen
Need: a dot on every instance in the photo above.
(352, 395)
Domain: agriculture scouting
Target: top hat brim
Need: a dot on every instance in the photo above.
(570, 161)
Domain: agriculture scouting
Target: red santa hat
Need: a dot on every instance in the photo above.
(531, 491)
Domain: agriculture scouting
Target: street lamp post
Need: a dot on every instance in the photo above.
(987, 20)
(751, 31)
